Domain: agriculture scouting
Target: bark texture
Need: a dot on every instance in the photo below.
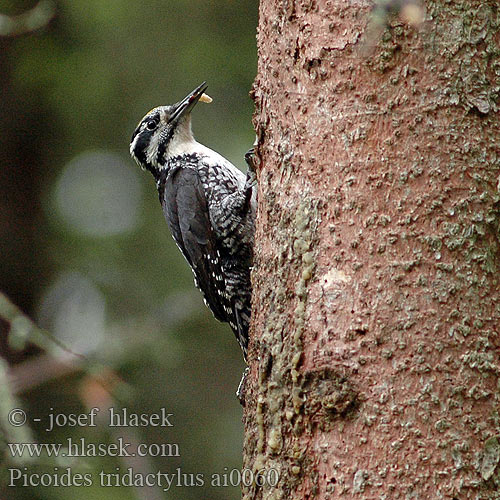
(375, 357)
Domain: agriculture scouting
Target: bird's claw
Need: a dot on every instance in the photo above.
(250, 159)
(240, 392)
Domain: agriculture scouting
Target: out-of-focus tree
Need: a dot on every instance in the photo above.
(84, 247)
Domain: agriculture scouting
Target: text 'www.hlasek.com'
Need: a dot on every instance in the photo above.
(125, 447)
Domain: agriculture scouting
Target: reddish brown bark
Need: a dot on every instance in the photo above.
(375, 357)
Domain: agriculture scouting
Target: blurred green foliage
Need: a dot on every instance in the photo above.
(74, 91)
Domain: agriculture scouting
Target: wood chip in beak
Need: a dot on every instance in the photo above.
(205, 98)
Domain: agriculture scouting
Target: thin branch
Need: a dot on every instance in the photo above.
(34, 19)
(35, 372)
(23, 329)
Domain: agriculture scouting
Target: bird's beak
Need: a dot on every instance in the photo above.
(185, 106)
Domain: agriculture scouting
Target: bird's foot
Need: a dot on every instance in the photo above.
(240, 393)
(250, 159)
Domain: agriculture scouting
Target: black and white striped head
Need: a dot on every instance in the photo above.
(165, 132)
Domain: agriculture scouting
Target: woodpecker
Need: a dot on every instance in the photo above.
(209, 206)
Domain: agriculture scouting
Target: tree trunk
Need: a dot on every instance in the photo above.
(375, 347)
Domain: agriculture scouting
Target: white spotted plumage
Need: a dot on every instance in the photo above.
(209, 205)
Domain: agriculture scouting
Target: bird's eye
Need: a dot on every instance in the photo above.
(151, 124)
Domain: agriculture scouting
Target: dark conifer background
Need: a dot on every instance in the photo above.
(84, 249)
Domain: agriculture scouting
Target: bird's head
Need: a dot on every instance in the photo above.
(165, 132)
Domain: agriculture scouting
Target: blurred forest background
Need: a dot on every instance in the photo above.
(85, 251)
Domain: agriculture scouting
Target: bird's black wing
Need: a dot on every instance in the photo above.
(186, 211)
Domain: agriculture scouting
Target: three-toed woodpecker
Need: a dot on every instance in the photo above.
(209, 206)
